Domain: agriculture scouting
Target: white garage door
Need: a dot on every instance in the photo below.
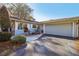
(62, 29)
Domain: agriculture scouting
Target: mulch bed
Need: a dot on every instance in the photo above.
(8, 47)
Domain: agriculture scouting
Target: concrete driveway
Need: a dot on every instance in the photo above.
(33, 37)
(48, 46)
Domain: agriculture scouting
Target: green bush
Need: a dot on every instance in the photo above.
(19, 39)
(4, 36)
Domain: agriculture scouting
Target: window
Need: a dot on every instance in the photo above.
(20, 26)
(34, 26)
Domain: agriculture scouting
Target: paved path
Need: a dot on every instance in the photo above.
(33, 37)
(48, 46)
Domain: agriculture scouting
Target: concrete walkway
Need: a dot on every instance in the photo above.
(33, 37)
(48, 46)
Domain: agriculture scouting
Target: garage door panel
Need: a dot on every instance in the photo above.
(65, 29)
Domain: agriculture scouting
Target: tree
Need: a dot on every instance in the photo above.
(21, 10)
(4, 19)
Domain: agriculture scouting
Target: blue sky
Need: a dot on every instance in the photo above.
(47, 11)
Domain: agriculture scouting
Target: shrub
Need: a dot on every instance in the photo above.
(19, 39)
(4, 36)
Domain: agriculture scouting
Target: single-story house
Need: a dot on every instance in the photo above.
(65, 27)
(17, 25)
(22, 26)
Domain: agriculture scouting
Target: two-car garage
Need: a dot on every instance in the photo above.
(67, 28)
(63, 30)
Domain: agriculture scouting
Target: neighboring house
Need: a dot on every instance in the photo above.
(66, 27)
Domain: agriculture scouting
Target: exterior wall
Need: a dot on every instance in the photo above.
(59, 29)
(41, 28)
(29, 26)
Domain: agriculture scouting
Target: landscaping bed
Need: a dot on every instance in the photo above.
(8, 47)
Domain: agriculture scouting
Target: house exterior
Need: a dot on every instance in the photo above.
(66, 27)
(17, 26)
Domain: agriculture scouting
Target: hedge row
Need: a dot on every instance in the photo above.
(4, 36)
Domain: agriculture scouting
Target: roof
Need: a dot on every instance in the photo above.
(62, 20)
(14, 18)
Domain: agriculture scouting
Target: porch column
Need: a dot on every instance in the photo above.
(44, 28)
(73, 29)
(16, 25)
(0, 29)
(77, 30)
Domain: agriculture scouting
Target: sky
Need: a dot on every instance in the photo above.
(48, 11)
